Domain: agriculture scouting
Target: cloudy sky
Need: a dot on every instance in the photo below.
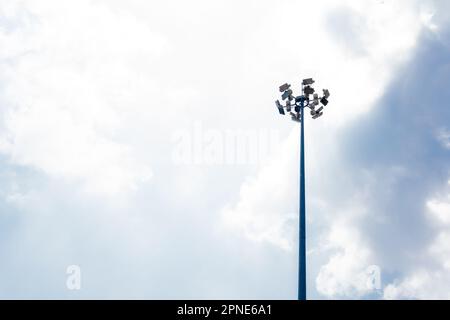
(139, 141)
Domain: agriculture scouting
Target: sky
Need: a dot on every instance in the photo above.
(139, 141)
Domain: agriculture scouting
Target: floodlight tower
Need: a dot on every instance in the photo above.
(299, 104)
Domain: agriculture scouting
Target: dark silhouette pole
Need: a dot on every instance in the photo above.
(302, 213)
(301, 103)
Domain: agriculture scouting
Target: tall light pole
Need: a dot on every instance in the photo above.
(296, 107)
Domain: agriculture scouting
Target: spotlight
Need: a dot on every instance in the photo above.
(295, 117)
(324, 101)
(287, 94)
(318, 115)
(308, 90)
(295, 105)
(316, 99)
(280, 107)
(284, 87)
(288, 106)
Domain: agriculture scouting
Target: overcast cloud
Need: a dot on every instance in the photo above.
(139, 141)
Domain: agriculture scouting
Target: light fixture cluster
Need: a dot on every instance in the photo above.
(309, 98)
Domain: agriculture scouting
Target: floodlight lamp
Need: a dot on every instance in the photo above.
(295, 117)
(308, 81)
(280, 107)
(308, 90)
(315, 101)
(286, 94)
(318, 115)
(295, 105)
(284, 87)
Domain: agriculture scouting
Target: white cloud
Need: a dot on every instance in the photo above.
(443, 137)
(345, 273)
(73, 74)
(84, 70)
(257, 214)
(439, 210)
(422, 284)
(90, 90)
(411, 288)
(429, 279)
(439, 249)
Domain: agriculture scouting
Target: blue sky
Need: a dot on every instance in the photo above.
(140, 142)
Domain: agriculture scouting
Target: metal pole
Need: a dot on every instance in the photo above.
(302, 228)
(300, 103)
